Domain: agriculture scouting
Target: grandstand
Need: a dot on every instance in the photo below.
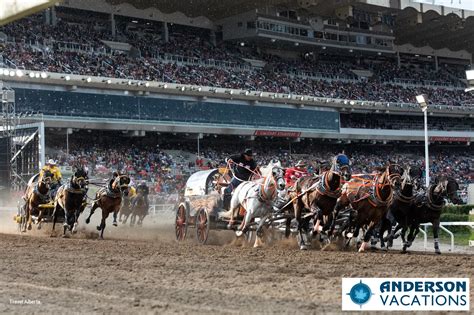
(286, 77)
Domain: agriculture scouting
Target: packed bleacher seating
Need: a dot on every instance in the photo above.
(75, 47)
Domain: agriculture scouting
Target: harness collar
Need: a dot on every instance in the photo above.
(324, 189)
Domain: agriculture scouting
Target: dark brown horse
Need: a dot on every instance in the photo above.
(70, 200)
(125, 209)
(109, 200)
(368, 196)
(399, 206)
(139, 209)
(37, 194)
(319, 196)
(427, 207)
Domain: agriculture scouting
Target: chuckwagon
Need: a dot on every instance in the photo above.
(202, 207)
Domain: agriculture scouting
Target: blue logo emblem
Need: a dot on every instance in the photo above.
(360, 293)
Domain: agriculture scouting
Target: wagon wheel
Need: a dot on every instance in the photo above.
(202, 226)
(181, 223)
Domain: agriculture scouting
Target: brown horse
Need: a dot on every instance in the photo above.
(70, 200)
(139, 209)
(319, 195)
(125, 209)
(37, 194)
(109, 200)
(368, 195)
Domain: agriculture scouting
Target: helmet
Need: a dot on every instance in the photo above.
(51, 162)
(248, 152)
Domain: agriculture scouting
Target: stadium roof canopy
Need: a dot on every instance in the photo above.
(418, 22)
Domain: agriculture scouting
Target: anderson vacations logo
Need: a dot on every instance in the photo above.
(405, 294)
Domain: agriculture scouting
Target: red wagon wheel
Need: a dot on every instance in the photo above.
(181, 223)
(202, 226)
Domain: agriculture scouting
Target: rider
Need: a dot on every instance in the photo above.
(142, 188)
(293, 173)
(244, 166)
(56, 176)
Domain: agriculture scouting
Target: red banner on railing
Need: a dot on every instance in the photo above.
(449, 139)
(274, 133)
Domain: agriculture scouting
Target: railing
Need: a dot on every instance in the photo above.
(165, 57)
(161, 208)
(442, 227)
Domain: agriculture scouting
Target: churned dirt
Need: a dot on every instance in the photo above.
(143, 270)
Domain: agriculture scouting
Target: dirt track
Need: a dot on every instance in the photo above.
(159, 275)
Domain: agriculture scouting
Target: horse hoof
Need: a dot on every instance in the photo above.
(303, 247)
(39, 227)
(114, 223)
(239, 233)
(88, 221)
(98, 228)
(437, 251)
(65, 236)
(29, 227)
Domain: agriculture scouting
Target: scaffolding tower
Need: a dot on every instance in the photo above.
(9, 123)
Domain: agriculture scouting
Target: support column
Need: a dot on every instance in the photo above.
(165, 36)
(112, 24)
(54, 18)
(436, 63)
(398, 60)
(47, 16)
(212, 37)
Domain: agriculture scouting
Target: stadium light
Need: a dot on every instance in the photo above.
(1, 71)
(470, 80)
(19, 73)
(423, 101)
(43, 75)
(31, 75)
(12, 73)
(37, 75)
(163, 86)
(88, 79)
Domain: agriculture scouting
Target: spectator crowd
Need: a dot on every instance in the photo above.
(72, 46)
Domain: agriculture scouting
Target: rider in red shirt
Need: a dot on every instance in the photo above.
(293, 173)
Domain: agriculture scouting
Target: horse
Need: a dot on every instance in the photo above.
(369, 199)
(37, 194)
(256, 198)
(70, 199)
(319, 195)
(139, 208)
(109, 200)
(125, 209)
(399, 206)
(427, 207)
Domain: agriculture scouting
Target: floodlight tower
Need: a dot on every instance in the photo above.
(423, 101)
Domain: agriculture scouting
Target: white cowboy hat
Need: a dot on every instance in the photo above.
(51, 162)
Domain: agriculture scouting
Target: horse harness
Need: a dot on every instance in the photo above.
(323, 187)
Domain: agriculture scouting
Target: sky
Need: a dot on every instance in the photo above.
(458, 4)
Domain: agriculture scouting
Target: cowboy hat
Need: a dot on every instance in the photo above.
(248, 152)
(51, 162)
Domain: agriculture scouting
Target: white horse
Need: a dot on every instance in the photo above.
(257, 198)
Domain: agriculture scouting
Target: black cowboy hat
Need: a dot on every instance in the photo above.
(248, 152)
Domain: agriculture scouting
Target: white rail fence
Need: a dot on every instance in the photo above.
(158, 209)
(442, 226)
